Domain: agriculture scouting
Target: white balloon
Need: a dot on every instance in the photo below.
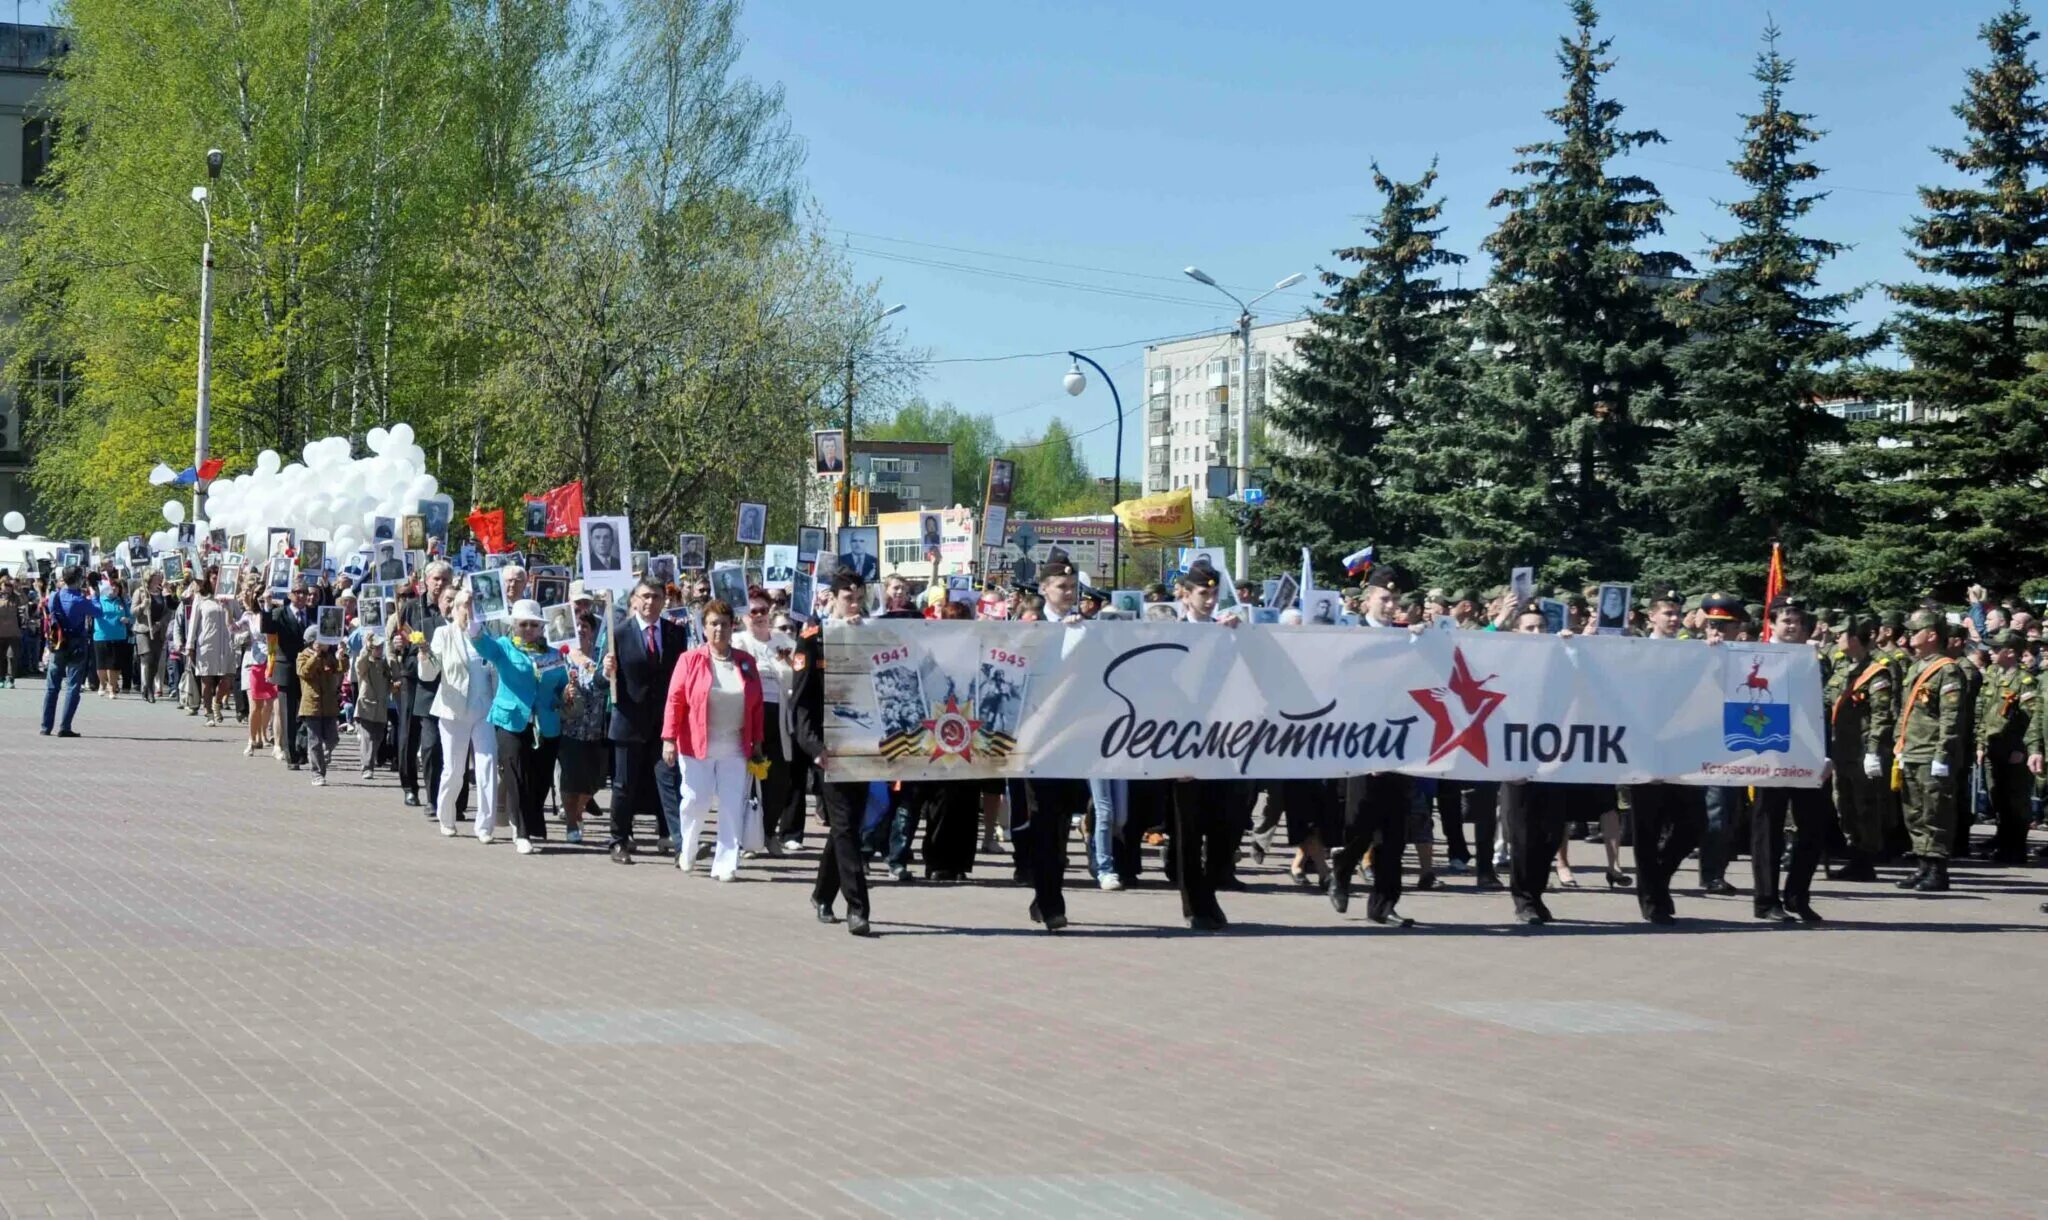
(174, 511)
(267, 462)
(379, 437)
(14, 522)
(401, 434)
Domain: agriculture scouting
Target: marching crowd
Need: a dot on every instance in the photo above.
(671, 703)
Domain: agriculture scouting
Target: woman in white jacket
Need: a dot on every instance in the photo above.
(462, 707)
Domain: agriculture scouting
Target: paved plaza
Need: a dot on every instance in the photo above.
(225, 993)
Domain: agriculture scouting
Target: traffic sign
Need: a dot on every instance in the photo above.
(1255, 496)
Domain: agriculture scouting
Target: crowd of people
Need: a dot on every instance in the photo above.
(670, 703)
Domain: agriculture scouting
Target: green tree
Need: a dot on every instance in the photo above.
(1547, 430)
(1051, 474)
(1953, 492)
(1337, 485)
(1737, 467)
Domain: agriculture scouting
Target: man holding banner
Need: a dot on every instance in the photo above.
(1375, 804)
(840, 867)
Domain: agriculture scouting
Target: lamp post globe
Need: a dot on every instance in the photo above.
(1075, 381)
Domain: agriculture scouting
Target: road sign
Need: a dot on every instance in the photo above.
(1254, 496)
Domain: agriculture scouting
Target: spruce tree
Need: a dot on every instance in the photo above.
(1572, 342)
(1954, 492)
(1378, 327)
(1738, 468)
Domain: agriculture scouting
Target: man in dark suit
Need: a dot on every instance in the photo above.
(840, 868)
(293, 626)
(419, 737)
(641, 652)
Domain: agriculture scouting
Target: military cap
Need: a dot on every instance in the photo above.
(1662, 596)
(1792, 602)
(1411, 601)
(1199, 576)
(2008, 638)
(1384, 577)
(1894, 619)
(1924, 620)
(1858, 625)
(1462, 595)
(1723, 608)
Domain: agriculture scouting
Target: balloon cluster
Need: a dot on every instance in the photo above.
(332, 495)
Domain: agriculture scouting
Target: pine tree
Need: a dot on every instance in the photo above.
(1738, 468)
(1379, 327)
(1572, 343)
(1955, 492)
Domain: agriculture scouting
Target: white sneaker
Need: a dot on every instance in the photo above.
(449, 832)
(1110, 881)
(249, 749)
(277, 752)
(485, 837)
(319, 781)
(524, 846)
(791, 845)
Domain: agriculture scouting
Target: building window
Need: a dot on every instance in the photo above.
(901, 551)
(38, 140)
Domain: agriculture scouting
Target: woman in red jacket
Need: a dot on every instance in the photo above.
(711, 729)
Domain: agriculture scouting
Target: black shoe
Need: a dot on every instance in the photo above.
(1056, 923)
(1806, 914)
(1258, 852)
(1618, 880)
(1775, 913)
(412, 799)
(1912, 880)
(1936, 880)
(1387, 915)
(858, 925)
(1719, 885)
(1427, 881)
(1204, 923)
(45, 732)
(1529, 918)
(900, 872)
(1855, 870)
(1487, 880)
(1340, 898)
(69, 733)
(1035, 916)
(622, 853)
(824, 910)
(1663, 917)
(1543, 911)
(1234, 885)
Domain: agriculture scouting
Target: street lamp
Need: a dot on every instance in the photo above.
(1244, 409)
(1077, 381)
(203, 423)
(846, 479)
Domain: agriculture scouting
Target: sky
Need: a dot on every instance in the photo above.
(1031, 176)
(1103, 147)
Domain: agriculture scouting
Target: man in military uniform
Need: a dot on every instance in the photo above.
(1971, 659)
(1930, 749)
(2007, 708)
(840, 867)
(1862, 717)
(1808, 808)
(1722, 620)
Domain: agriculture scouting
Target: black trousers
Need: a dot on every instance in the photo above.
(409, 727)
(288, 703)
(426, 731)
(1532, 818)
(1669, 820)
(526, 770)
(2011, 785)
(1204, 826)
(1051, 805)
(1376, 817)
(1474, 801)
(782, 791)
(840, 868)
(636, 789)
(952, 827)
(1811, 817)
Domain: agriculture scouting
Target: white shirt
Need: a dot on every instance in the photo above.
(728, 709)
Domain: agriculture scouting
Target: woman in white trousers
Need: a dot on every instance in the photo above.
(462, 709)
(712, 728)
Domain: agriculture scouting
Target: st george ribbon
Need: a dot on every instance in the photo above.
(917, 700)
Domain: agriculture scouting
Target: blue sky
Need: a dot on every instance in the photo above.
(1140, 137)
(1106, 146)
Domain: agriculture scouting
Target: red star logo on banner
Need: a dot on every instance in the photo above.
(952, 731)
(1474, 704)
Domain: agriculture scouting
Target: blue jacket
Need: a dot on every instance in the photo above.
(74, 613)
(112, 624)
(529, 685)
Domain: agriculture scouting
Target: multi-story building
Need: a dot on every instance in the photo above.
(1192, 387)
(889, 477)
(27, 54)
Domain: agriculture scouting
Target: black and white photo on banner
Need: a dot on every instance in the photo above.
(281, 540)
(638, 560)
(188, 535)
(1614, 600)
(550, 589)
(690, 553)
(559, 625)
(370, 610)
(487, 596)
(778, 565)
(828, 451)
(661, 569)
(439, 514)
(383, 529)
(729, 585)
(312, 555)
(810, 540)
(604, 545)
(752, 526)
(536, 517)
(860, 548)
(390, 563)
(331, 625)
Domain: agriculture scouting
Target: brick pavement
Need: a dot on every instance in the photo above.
(224, 993)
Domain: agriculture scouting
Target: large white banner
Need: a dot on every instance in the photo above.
(909, 699)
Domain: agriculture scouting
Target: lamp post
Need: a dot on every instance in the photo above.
(846, 477)
(1244, 409)
(203, 423)
(1077, 381)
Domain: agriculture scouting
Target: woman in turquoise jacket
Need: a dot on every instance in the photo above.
(110, 636)
(526, 714)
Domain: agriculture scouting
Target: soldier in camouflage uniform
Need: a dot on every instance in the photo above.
(1931, 749)
(1862, 705)
(2007, 709)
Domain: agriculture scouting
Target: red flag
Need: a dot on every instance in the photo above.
(489, 528)
(209, 469)
(1774, 587)
(565, 510)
